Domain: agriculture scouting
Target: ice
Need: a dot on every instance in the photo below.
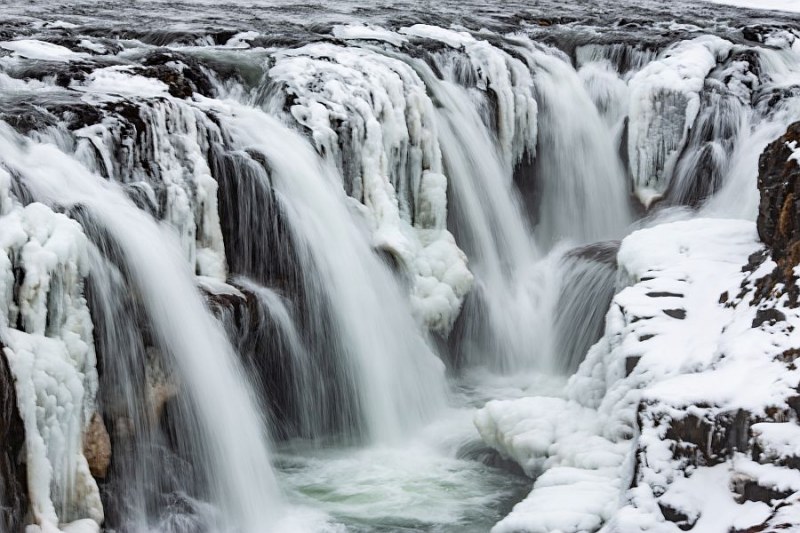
(41, 50)
(777, 5)
(177, 156)
(369, 33)
(51, 356)
(455, 39)
(664, 101)
(119, 81)
(242, 39)
(395, 167)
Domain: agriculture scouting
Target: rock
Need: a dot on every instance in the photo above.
(182, 73)
(97, 447)
(779, 185)
(678, 314)
(779, 219)
(13, 480)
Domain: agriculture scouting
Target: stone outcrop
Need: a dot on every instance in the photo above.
(779, 185)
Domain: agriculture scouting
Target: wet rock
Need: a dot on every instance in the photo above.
(678, 314)
(97, 447)
(753, 491)
(13, 480)
(779, 214)
(181, 73)
(601, 252)
(161, 385)
(631, 362)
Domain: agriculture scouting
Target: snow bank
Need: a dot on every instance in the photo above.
(684, 379)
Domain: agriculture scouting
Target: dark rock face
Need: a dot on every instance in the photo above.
(182, 74)
(779, 210)
(13, 481)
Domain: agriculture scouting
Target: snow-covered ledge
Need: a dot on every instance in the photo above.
(683, 414)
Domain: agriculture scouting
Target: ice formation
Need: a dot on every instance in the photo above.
(664, 102)
(327, 195)
(373, 119)
(50, 351)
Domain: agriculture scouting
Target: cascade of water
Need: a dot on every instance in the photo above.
(237, 453)
(506, 322)
(777, 105)
(399, 381)
(497, 327)
(583, 188)
(291, 381)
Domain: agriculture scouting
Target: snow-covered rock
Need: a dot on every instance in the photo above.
(657, 428)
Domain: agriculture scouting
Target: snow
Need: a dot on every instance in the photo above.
(368, 33)
(120, 81)
(795, 151)
(40, 50)
(778, 440)
(92, 46)
(776, 5)
(215, 286)
(671, 350)
(454, 39)
(242, 39)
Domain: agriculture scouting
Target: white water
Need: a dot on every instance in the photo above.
(495, 234)
(508, 324)
(400, 380)
(238, 450)
(584, 190)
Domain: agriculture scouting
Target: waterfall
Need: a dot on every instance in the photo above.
(399, 381)
(237, 450)
(258, 271)
(498, 324)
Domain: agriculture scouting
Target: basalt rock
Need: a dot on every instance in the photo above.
(779, 213)
(779, 184)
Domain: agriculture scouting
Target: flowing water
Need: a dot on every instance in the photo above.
(311, 240)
